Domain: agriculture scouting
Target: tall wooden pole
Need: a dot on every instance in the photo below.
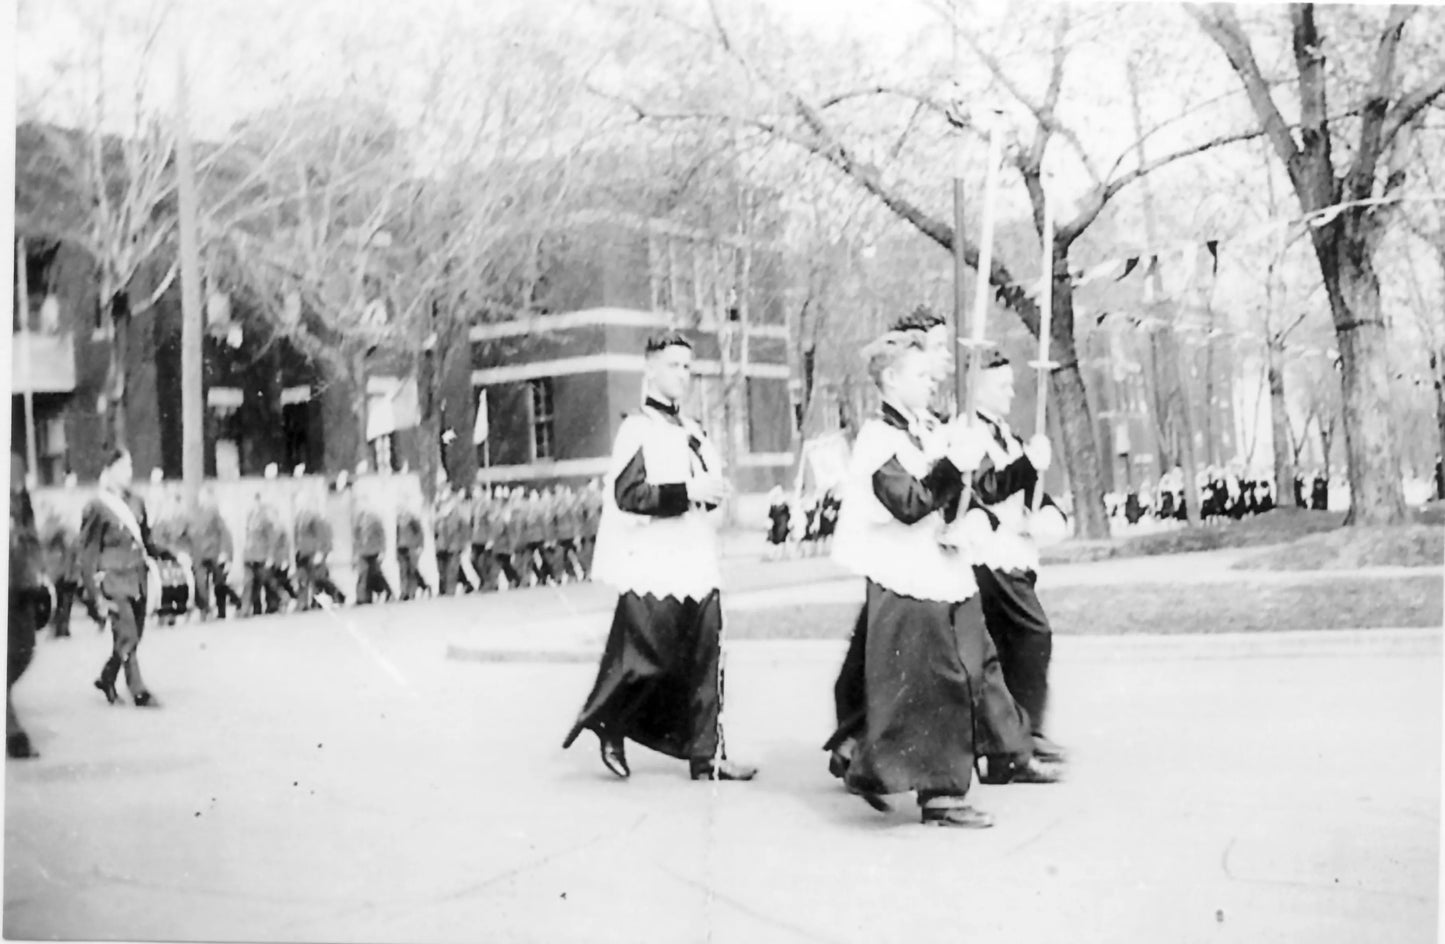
(193, 436)
(960, 294)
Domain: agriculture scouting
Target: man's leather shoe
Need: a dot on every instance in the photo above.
(1049, 752)
(838, 765)
(1001, 771)
(146, 700)
(614, 757)
(724, 769)
(961, 817)
(108, 688)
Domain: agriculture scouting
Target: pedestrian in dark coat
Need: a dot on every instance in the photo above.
(115, 541)
(313, 548)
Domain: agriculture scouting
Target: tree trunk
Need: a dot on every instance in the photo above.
(1377, 495)
(1279, 421)
(428, 449)
(1437, 368)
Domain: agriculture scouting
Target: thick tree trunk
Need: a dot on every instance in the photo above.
(1279, 421)
(1082, 453)
(1372, 450)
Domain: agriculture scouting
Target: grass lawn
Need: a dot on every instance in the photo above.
(1243, 606)
(1280, 526)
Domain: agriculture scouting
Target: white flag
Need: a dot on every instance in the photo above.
(481, 429)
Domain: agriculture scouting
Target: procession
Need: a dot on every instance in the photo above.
(725, 470)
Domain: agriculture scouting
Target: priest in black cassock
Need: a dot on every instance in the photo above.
(660, 683)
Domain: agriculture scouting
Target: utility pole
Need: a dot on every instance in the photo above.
(1173, 374)
(193, 434)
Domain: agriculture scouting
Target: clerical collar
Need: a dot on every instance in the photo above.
(662, 406)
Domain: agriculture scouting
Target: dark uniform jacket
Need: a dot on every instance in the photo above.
(60, 551)
(409, 531)
(313, 535)
(210, 538)
(112, 557)
(368, 534)
(260, 536)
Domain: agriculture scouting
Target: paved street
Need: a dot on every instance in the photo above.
(358, 778)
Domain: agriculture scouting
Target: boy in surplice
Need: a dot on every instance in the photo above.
(933, 693)
(660, 681)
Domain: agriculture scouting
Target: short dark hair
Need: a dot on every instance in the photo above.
(921, 318)
(116, 454)
(666, 339)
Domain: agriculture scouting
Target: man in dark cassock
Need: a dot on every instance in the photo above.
(368, 543)
(29, 599)
(660, 682)
(928, 660)
(1299, 491)
(410, 539)
(1320, 493)
(115, 541)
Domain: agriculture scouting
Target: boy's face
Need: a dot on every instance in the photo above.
(670, 370)
(910, 381)
(938, 345)
(996, 390)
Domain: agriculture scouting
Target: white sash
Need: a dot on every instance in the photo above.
(122, 511)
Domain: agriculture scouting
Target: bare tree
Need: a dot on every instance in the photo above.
(1346, 172)
(811, 122)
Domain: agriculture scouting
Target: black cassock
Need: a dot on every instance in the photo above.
(660, 680)
(921, 690)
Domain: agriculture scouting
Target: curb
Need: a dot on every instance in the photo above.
(1393, 641)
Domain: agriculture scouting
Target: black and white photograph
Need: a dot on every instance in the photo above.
(669, 471)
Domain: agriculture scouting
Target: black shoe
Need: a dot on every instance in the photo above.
(109, 689)
(146, 700)
(1049, 752)
(614, 756)
(1001, 771)
(874, 800)
(18, 746)
(838, 765)
(961, 817)
(724, 769)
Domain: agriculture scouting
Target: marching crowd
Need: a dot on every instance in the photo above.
(485, 540)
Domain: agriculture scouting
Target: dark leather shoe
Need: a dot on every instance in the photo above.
(960, 817)
(875, 800)
(108, 688)
(614, 757)
(838, 765)
(1001, 771)
(18, 746)
(724, 769)
(146, 700)
(1049, 752)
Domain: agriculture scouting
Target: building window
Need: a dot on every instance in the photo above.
(383, 455)
(543, 446)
